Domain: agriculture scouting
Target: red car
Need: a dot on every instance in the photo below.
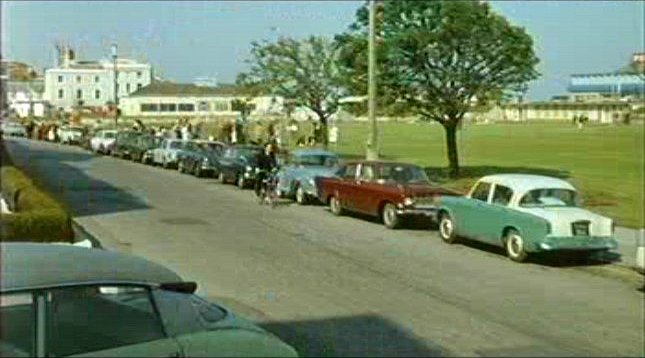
(387, 190)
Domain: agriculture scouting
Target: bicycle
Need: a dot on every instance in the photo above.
(269, 190)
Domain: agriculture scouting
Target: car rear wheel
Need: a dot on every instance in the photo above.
(198, 171)
(447, 229)
(301, 196)
(221, 178)
(180, 167)
(515, 247)
(334, 206)
(390, 217)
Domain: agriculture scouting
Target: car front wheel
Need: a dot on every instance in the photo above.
(447, 229)
(334, 206)
(241, 182)
(301, 196)
(515, 247)
(390, 217)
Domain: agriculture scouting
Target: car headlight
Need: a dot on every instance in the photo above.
(408, 201)
(250, 168)
(312, 182)
(205, 161)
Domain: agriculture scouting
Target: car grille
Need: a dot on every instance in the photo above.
(425, 200)
(580, 228)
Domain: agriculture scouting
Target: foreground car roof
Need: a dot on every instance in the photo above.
(32, 265)
(527, 182)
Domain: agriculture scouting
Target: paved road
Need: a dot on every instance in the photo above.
(341, 286)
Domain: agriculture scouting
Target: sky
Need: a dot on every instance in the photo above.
(189, 39)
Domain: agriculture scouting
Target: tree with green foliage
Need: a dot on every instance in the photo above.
(442, 58)
(304, 71)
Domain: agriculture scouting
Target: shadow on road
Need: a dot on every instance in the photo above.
(352, 336)
(80, 193)
(552, 259)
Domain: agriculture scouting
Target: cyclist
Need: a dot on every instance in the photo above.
(266, 162)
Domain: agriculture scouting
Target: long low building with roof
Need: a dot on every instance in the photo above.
(164, 99)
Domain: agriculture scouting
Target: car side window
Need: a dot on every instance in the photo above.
(350, 172)
(87, 319)
(367, 173)
(481, 191)
(502, 195)
(17, 328)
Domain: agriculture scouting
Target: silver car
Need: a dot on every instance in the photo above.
(58, 300)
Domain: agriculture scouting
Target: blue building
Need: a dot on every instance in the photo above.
(628, 81)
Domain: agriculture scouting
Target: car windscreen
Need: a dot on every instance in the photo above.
(320, 160)
(175, 145)
(402, 174)
(549, 197)
(109, 135)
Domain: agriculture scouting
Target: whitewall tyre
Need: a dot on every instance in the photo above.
(301, 196)
(447, 229)
(515, 246)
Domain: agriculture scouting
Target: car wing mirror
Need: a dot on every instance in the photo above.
(188, 287)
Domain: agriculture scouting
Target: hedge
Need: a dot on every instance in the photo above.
(37, 217)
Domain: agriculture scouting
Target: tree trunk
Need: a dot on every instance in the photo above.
(324, 132)
(451, 146)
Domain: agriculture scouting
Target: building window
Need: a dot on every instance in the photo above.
(168, 107)
(139, 85)
(138, 74)
(60, 93)
(186, 107)
(203, 106)
(221, 106)
(97, 94)
(60, 79)
(96, 78)
(149, 107)
(79, 94)
(78, 79)
(127, 87)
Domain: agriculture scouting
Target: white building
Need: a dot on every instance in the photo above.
(92, 82)
(25, 98)
(163, 99)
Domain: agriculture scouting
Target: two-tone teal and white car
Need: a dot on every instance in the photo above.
(296, 178)
(524, 214)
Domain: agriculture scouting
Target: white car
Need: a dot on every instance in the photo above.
(167, 154)
(13, 129)
(103, 141)
(70, 135)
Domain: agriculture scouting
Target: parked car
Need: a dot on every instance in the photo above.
(239, 165)
(124, 142)
(103, 141)
(13, 129)
(296, 177)
(524, 214)
(62, 300)
(167, 153)
(70, 134)
(141, 149)
(203, 159)
(389, 190)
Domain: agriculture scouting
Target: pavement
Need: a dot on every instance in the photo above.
(343, 286)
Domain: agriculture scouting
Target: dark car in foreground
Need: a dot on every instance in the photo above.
(59, 301)
(389, 190)
(202, 158)
(239, 165)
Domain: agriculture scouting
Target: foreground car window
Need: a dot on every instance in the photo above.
(502, 195)
(17, 330)
(402, 174)
(94, 318)
(549, 197)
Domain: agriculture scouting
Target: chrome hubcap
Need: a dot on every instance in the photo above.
(389, 215)
(334, 204)
(300, 196)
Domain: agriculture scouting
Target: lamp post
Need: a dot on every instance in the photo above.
(372, 141)
(116, 85)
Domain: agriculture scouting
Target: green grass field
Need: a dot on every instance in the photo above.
(605, 162)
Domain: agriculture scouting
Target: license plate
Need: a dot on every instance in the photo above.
(580, 228)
